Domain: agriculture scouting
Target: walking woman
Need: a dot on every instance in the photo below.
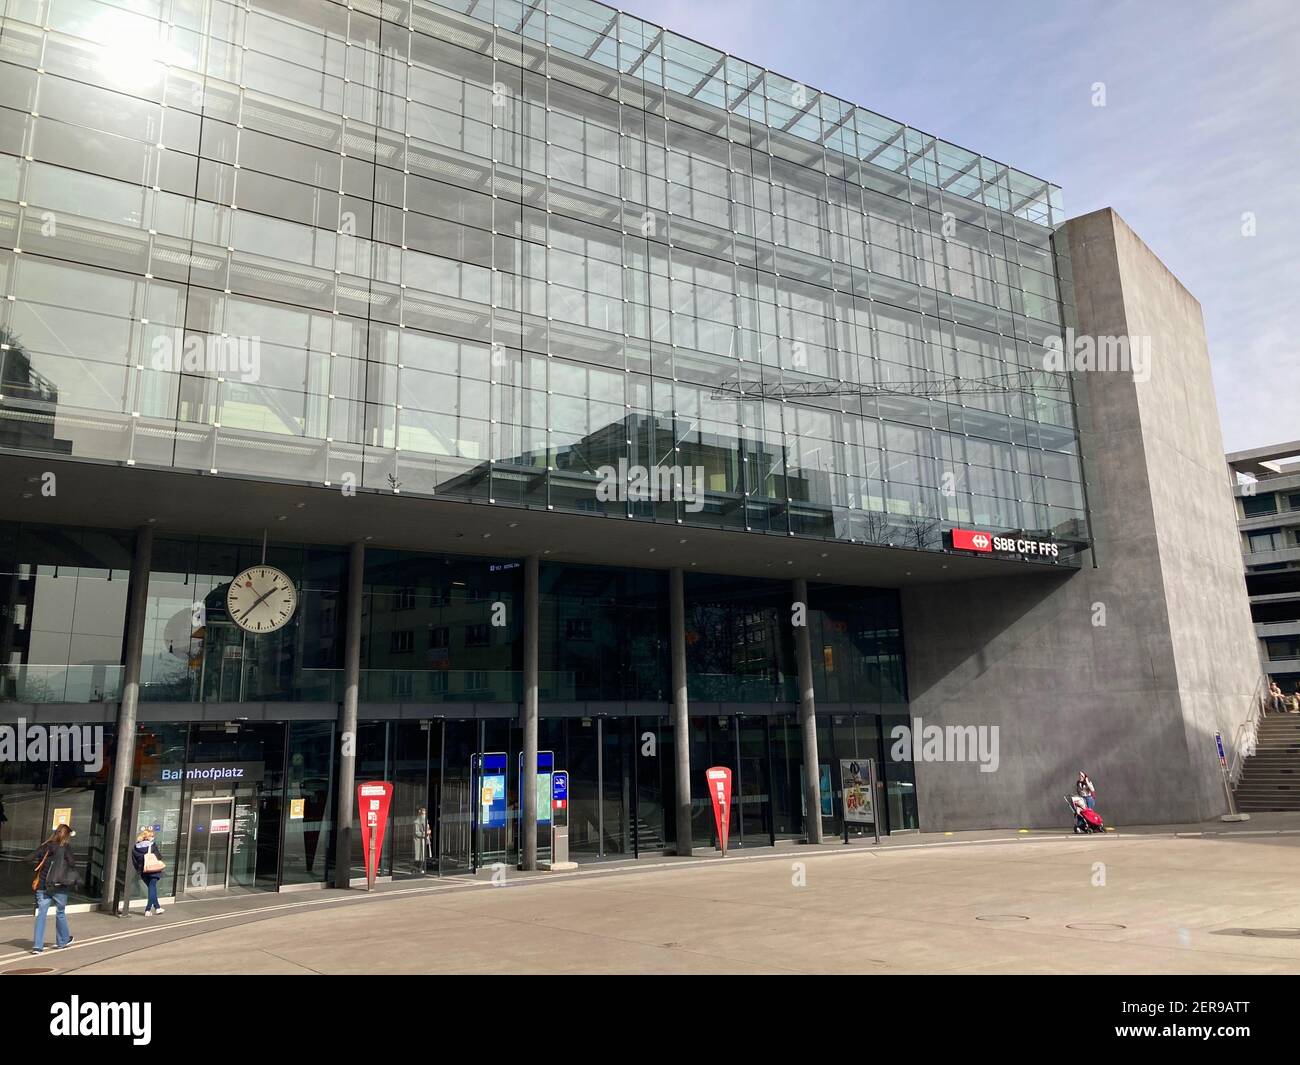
(56, 873)
(148, 862)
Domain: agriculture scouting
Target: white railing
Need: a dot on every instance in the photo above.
(1244, 739)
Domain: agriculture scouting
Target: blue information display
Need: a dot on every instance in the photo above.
(545, 766)
(560, 787)
(491, 782)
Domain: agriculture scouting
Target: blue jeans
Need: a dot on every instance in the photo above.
(151, 882)
(61, 934)
(1091, 801)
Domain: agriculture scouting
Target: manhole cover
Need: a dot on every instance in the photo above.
(26, 972)
(1002, 917)
(1098, 926)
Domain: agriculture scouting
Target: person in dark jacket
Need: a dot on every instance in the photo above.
(146, 845)
(56, 873)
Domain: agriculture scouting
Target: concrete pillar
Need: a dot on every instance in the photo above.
(812, 787)
(348, 716)
(528, 803)
(681, 707)
(128, 707)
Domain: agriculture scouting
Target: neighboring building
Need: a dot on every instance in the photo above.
(1266, 482)
(379, 294)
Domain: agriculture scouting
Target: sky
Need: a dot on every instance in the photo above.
(1199, 135)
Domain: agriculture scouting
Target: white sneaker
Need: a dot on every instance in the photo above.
(157, 911)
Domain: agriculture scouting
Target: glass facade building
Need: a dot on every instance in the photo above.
(439, 681)
(485, 252)
(481, 249)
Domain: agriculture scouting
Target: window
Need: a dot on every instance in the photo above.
(1280, 647)
(1252, 506)
(476, 635)
(577, 629)
(405, 599)
(439, 637)
(401, 641)
(1266, 540)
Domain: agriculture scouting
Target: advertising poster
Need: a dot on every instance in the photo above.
(858, 807)
(297, 809)
(827, 794)
(373, 799)
(719, 780)
(62, 816)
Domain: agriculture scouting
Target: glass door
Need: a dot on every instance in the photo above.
(751, 791)
(455, 828)
(207, 861)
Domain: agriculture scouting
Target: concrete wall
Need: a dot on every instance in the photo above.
(1136, 701)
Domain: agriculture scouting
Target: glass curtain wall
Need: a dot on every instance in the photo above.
(603, 634)
(441, 628)
(739, 640)
(490, 252)
(193, 650)
(35, 797)
(62, 613)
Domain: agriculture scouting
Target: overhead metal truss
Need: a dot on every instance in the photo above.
(934, 387)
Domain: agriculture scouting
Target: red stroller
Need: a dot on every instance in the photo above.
(1085, 820)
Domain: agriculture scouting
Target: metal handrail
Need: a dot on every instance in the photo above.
(1243, 740)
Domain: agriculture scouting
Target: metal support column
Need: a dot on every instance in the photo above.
(812, 788)
(528, 805)
(681, 707)
(128, 707)
(348, 715)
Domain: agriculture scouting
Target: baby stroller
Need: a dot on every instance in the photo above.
(1085, 820)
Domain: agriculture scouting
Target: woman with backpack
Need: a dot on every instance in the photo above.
(56, 873)
(147, 859)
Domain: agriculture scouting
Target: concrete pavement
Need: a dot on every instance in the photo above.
(1206, 899)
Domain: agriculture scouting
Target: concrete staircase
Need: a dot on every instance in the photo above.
(1270, 778)
(649, 839)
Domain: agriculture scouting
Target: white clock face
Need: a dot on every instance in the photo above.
(261, 599)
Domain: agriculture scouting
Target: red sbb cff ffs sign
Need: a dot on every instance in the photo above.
(986, 543)
(373, 799)
(971, 540)
(719, 781)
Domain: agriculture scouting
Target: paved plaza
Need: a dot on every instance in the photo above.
(1204, 899)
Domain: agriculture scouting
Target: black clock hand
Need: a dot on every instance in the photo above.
(260, 600)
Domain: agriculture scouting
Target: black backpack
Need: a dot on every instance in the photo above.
(63, 871)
